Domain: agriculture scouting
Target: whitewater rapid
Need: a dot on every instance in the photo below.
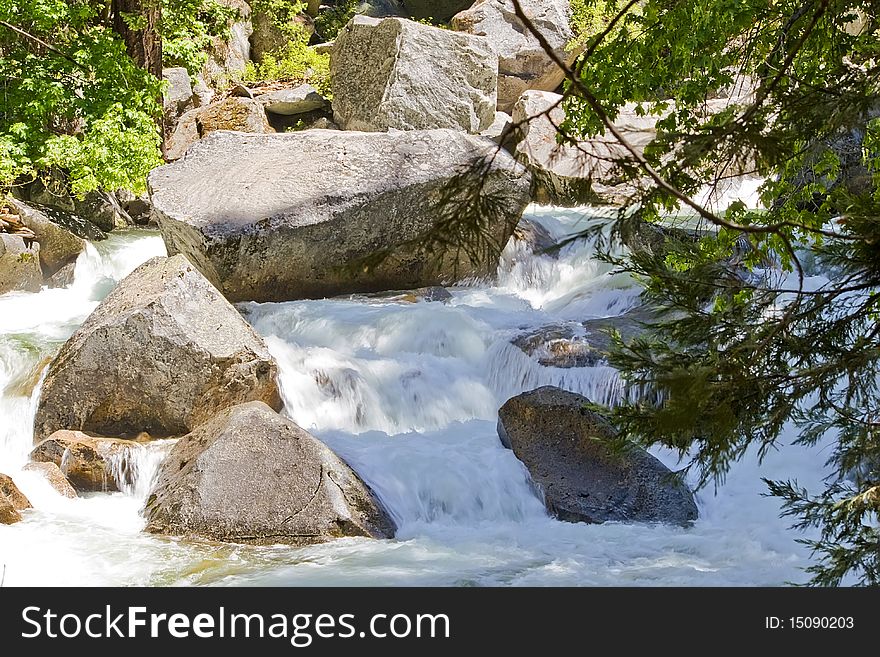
(408, 394)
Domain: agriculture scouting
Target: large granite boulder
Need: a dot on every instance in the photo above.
(19, 264)
(571, 454)
(70, 222)
(161, 354)
(297, 215)
(574, 174)
(394, 73)
(103, 210)
(58, 245)
(250, 475)
(86, 461)
(522, 62)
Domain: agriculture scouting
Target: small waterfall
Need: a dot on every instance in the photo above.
(460, 476)
(509, 372)
(33, 326)
(134, 468)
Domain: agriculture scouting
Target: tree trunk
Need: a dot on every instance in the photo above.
(137, 22)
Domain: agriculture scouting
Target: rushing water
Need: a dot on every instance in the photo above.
(408, 394)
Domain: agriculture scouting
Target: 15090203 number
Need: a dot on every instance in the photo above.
(821, 622)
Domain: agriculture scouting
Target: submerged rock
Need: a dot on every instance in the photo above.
(584, 473)
(586, 344)
(86, 461)
(312, 213)
(251, 476)
(52, 473)
(395, 73)
(537, 239)
(162, 353)
(523, 63)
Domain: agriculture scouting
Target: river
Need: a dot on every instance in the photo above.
(408, 394)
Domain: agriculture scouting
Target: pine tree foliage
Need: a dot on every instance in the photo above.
(771, 314)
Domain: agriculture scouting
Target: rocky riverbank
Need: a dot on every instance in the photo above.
(407, 176)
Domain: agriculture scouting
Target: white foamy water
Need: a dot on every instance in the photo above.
(408, 394)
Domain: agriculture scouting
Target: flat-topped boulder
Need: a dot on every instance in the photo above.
(303, 214)
(394, 73)
(250, 475)
(161, 354)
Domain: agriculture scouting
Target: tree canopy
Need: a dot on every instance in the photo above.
(770, 313)
(71, 97)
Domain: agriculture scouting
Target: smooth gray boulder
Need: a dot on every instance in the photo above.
(522, 62)
(574, 174)
(252, 476)
(161, 354)
(287, 102)
(568, 451)
(103, 210)
(303, 214)
(71, 222)
(394, 73)
(19, 264)
(58, 246)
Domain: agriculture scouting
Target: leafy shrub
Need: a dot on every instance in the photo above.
(189, 28)
(84, 106)
(329, 22)
(295, 62)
